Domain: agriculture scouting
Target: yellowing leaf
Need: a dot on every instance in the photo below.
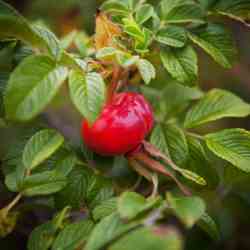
(105, 31)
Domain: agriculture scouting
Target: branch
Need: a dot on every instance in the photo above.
(114, 82)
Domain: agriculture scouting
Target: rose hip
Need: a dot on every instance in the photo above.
(121, 127)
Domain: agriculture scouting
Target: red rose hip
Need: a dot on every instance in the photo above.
(121, 126)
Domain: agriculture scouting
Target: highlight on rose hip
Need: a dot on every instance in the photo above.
(118, 126)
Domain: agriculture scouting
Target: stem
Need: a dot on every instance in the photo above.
(61, 217)
(137, 183)
(12, 203)
(155, 181)
(124, 79)
(114, 82)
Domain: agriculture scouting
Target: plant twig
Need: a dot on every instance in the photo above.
(114, 82)
(12, 203)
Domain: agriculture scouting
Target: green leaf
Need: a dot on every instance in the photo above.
(74, 62)
(181, 11)
(88, 93)
(158, 139)
(12, 24)
(217, 41)
(50, 41)
(73, 235)
(11, 181)
(236, 9)
(47, 182)
(207, 224)
(13, 156)
(146, 70)
(115, 7)
(82, 43)
(105, 208)
(131, 205)
(133, 29)
(207, 4)
(68, 40)
(177, 144)
(142, 47)
(173, 36)
(41, 237)
(133, 4)
(40, 147)
(106, 53)
(176, 97)
(171, 140)
(65, 164)
(106, 230)
(144, 13)
(232, 145)
(126, 59)
(122, 58)
(234, 177)
(198, 162)
(14, 180)
(188, 209)
(84, 188)
(216, 104)
(22, 52)
(3, 82)
(61, 218)
(104, 191)
(3, 123)
(182, 64)
(157, 238)
(7, 54)
(28, 93)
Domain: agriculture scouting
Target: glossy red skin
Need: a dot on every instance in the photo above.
(121, 126)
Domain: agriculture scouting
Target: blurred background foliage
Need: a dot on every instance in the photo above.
(65, 16)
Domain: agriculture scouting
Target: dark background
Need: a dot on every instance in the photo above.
(64, 16)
